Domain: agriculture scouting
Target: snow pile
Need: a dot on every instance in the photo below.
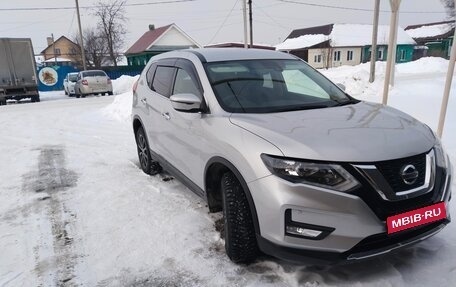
(302, 42)
(356, 78)
(120, 108)
(424, 65)
(430, 31)
(123, 84)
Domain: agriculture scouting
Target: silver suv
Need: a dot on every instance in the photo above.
(299, 168)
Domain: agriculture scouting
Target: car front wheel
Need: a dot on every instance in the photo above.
(240, 241)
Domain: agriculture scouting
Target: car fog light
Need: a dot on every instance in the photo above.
(303, 231)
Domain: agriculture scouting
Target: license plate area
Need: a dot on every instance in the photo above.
(417, 217)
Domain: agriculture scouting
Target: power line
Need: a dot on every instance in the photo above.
(272, 19)
(223, 23)
(93, 6)
(357, 9)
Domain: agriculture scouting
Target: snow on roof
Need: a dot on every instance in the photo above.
(59, 59)
(361, 35)
(304, 41)
(346, 35)
(430, 30)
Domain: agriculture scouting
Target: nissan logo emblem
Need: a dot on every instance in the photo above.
(409, 174)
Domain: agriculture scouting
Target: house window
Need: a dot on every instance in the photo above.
(349, 55)
(380, 54)
(57, 51)
(337, 56)
(403, 54)
(317, 59)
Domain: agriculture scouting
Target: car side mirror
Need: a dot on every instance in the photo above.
(188, 103)
(341, 86)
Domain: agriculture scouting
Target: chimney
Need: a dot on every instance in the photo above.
(151, 27)
(49, 41)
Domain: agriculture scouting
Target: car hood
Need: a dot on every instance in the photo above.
(362, 132)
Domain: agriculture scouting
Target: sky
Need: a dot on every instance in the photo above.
(206, 21)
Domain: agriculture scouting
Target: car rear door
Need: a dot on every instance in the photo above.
(151, 96)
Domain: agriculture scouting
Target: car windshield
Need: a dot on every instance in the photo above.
(267, 86)
(73, 77)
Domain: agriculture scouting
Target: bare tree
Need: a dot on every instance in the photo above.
(95, 45)
(449, 7)
(111, 22)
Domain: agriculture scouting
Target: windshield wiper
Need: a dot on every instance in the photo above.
(301, 107)
(344, 103)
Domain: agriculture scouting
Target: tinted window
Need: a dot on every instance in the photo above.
(150, 74)
(185, 84)
(163, 80)
(94, 74)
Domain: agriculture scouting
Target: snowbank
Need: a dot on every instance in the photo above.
(356, 78)
(123, 84)
(120, 108)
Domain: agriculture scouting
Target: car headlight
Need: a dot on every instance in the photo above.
(331, 176)
(440, 154)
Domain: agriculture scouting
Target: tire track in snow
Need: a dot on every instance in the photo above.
(53, 253)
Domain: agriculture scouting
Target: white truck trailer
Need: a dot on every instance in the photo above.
(18, 79)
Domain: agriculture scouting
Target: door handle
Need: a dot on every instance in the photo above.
(166, 116)
(144, 101)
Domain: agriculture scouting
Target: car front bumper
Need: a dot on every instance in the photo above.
(354, 231)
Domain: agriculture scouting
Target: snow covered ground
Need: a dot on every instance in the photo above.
(76, 210)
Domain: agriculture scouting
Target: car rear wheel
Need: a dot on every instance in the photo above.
(148, 165)
(240, 241)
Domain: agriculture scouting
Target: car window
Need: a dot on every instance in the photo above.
(163, 80)
(185, 84)
(73, 78)
(150, 75)
(94, 74)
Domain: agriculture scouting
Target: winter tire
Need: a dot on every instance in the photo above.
(240, 241)
(148, 165)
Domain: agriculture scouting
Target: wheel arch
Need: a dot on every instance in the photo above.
(137, 122)
(213, 172)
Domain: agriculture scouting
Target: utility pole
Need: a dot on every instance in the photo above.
(244, 15)
(395, 4)
(251, 23)
(446, 92)
(393, 69)
(80, 37)
(374, 42)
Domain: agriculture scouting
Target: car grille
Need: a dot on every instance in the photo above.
(385, 208)
(391, 170)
